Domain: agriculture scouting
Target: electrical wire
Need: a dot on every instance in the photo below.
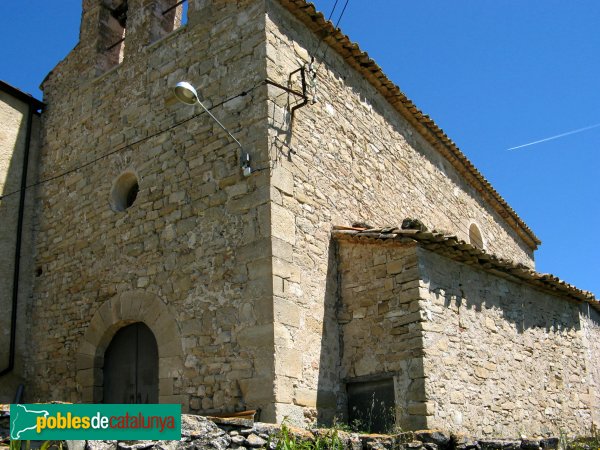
(323, 40)
(328, 20)
(342, 14)
(332, 10)
(106, 155)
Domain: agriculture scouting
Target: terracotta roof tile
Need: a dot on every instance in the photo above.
(361, 61)
(461, 251)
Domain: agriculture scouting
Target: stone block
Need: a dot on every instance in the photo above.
(282, 250)
(288, 362)
(257, 391)
(283, 337)
(283, 180)
(256, 336)
(394, 267)
(305, 397)
(169, 367)
(260, 269)
(84, 361)
(286, 312)
(421, 408)
(283, 224)
(282, 268)
(85, 377)
(165, 386)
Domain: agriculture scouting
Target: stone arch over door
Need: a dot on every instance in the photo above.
(125, 309)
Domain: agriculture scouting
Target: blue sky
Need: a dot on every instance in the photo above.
(493, 74)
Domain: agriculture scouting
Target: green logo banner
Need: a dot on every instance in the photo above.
(95, 422)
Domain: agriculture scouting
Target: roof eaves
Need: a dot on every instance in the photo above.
(458, 250)
(360, 60)
(23, 96)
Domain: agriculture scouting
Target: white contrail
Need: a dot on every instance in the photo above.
(579, 130)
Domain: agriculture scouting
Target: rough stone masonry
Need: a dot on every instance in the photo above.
(252, 299)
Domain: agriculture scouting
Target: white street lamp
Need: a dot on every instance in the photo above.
(186, 93)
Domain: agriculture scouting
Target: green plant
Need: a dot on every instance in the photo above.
(591, 442)
(285, 440)
(563, 439)
(15, 445)
(330, 441)
(376, 418)
(339, 425)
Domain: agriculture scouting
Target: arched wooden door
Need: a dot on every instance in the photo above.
(131, 366)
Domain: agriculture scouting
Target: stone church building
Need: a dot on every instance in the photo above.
(163, 260)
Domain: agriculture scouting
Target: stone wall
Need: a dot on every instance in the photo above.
(590, 321)
(380, 322)
(503, 358)
(13, 135)
(469, 350)
(196, 239)
(242, 270)
(361, 158)
(348, 157)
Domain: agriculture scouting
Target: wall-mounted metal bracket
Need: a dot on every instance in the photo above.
(302, 94)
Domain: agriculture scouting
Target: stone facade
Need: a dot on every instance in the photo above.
(349, 157)
(19, 130)
(191, 239)
(590, 330)
(148, 217)
(380, 317)
(468, 349)
(489, 338)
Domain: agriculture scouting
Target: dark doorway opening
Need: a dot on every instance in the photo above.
(131, 366)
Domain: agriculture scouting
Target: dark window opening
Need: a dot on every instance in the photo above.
(113, 22)
(170, 15)
(120, 13)
(124, 192)
(132, 195)
(475, 237)
(371, 405)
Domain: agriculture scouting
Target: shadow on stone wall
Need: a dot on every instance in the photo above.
(331, 395)
(465, 287)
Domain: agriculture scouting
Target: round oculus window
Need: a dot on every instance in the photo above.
(124, 191)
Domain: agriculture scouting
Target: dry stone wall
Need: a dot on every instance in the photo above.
(348, 157)
(199, 432)
(197, 236)
(503, 358)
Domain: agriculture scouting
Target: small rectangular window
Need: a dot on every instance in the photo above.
(371, 405)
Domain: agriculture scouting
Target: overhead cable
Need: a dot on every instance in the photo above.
(117, 150)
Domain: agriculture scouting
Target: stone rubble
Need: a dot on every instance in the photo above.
(199, 432)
